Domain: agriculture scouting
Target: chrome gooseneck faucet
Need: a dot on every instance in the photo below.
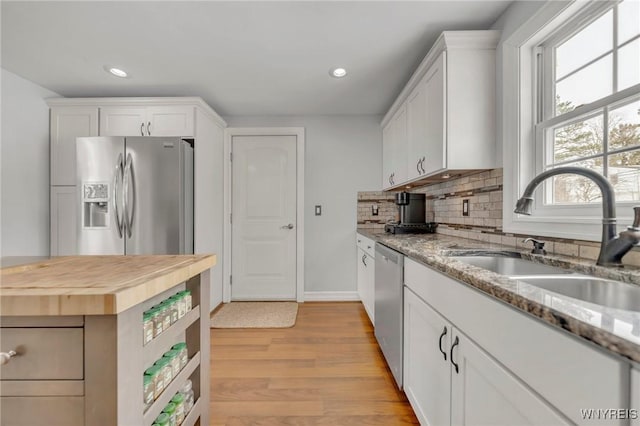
(612, 247)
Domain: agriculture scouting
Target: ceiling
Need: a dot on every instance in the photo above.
(243, 58)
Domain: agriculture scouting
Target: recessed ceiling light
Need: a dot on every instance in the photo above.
(338, 72)
(116, 71)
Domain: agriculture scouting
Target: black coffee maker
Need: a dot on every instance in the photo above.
(412, 212)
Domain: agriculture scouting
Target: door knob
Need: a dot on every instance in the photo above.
(289, 226)
(5, 357)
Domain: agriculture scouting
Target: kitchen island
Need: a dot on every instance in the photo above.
(76, 326)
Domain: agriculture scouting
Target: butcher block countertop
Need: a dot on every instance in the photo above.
(93, 285)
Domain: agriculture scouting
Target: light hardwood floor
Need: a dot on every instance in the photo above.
(326, 370)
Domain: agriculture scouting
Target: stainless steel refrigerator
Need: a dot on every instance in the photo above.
(135, 195)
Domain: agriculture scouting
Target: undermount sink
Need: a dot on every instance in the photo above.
(613, 294)
(600, 291)
(510, 266)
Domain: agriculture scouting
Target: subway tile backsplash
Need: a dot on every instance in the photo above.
(484, 221)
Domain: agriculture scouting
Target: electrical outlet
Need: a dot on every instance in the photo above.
(374, 210)
(465, 207)
(318, 210)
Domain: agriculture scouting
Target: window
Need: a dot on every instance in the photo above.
(587, 104)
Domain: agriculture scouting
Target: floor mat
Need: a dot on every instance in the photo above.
(255, 315)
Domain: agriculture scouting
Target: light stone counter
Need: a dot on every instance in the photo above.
(616, 330)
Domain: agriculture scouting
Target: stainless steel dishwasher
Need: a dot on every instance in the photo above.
(389, 307)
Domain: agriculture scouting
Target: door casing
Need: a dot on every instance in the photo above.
(229, 133)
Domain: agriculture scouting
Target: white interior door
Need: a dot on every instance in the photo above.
(263, 230)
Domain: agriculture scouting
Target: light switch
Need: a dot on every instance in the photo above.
(318, 210)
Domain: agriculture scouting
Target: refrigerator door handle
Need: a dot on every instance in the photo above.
(129, 184)
(117, 178)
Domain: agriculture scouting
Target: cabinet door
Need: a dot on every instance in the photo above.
(361, 275)
(387, 166)
(416, 131)
(170, 121)
(483, 392)
(68, 123)
(435, 116)
(399, 147)
(369, 285)
(63, 221)
(427, 372)
(123, 121)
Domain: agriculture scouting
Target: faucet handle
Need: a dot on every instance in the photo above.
(636, 218)
(538, 246)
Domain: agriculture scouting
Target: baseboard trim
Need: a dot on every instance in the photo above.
(331, 296)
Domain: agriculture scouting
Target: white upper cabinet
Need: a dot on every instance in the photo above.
(123, 121)
(68, 123)
(147, 121)
(434, 143)
(394, 148)
(416, 131)
(449, 111)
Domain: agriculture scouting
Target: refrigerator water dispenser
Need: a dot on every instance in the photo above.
(95, 203)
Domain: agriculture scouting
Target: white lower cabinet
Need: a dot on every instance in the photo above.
(471, 360)
(450, 380)
(483, 392)
(427, 371)
(366, 274)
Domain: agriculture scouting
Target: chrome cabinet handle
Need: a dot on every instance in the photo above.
(418, 167)
(422, 165)
(149, 128)
(5, 357)
(364, 258)
(129, 183)
(289, 226)
(142, 129)
(444, 333)
(456, 342)
(116, 179)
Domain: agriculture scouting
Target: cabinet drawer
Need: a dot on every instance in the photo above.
(366, 244)
(30, 411)
(43, 354)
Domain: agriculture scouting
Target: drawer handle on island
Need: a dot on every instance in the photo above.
(142, 129)
(5, 357)
(444, 333)
(455, 343)
(149, 128)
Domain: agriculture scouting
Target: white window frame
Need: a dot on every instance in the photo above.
(522, 156)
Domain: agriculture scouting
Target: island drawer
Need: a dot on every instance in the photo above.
(30, 411)
(43, 354)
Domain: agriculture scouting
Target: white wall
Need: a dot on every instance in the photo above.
(25, 167)
(343, 156)
(510, 20)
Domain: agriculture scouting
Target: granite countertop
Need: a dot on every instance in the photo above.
(92, 285)
(613, 329)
